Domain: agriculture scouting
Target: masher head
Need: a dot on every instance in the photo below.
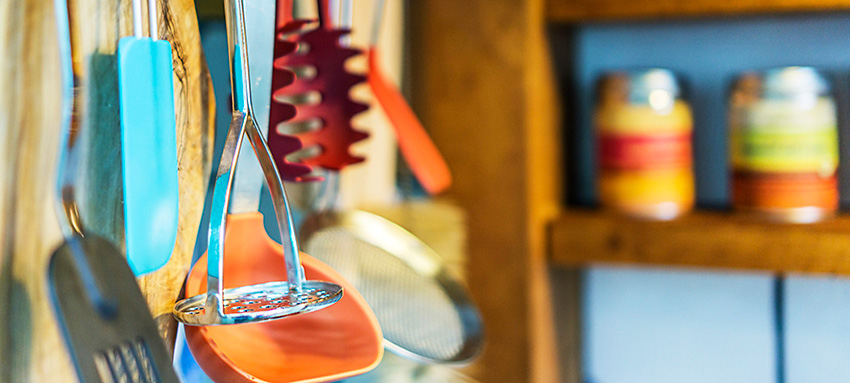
(259, 303)
(424, 311)
(335, 343)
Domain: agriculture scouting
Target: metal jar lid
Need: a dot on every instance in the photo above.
(657, 87)
(784, 82)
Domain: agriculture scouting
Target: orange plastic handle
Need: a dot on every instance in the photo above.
(416, 146)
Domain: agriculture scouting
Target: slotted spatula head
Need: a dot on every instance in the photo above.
(112, 338)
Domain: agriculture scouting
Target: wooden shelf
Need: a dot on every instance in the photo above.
(570, 11)
(702, 239)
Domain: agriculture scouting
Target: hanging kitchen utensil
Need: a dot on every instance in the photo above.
(338, 342)
(416, 146)
(266, 301)
(280, 110)
(148, 144)
(104, 319)
(424, 311)
(320, 93)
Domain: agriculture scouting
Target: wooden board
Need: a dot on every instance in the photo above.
(29, 133)
(28, 143)
(482, 84)
(702, 239)
(596, 10)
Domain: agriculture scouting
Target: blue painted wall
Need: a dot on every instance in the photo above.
(817, 330)
(672, 326)
(663, 326)
(708, 54)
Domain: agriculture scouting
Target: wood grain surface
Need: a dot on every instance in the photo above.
(29, 139)
(702, 239)
(597, 10)
(482, 84)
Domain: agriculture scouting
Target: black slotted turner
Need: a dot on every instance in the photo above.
(104, 318)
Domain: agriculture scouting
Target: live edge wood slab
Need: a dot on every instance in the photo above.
(714, 240)
(31, 349)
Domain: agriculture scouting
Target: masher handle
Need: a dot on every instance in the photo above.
(242, 123)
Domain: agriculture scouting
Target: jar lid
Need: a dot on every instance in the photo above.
(779, 82)
(657, 87)
(647, 80)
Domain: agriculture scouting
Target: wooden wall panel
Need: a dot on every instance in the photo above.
(483, 87)
(29, 139)
(29, 131)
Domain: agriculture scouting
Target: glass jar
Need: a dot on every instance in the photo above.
(783, 145)
(644, 132)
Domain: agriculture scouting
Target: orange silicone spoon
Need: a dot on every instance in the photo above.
(338, 342)
(416, 146)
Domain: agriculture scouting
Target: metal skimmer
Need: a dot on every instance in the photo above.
(267, 301)
(425, 312)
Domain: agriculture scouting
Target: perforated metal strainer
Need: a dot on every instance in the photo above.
(425, 313)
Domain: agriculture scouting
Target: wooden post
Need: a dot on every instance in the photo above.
(29, 139)
(483, 86)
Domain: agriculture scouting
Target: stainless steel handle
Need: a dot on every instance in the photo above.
(242, 124)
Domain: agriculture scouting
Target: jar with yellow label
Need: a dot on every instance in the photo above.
(644, 149)
(783, 145)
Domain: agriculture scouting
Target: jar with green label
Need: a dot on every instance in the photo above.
(783, 144)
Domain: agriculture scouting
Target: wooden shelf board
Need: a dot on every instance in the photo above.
(702, 239)
(570, 11)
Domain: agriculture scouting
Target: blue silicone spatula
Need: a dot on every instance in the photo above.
(148, 145)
